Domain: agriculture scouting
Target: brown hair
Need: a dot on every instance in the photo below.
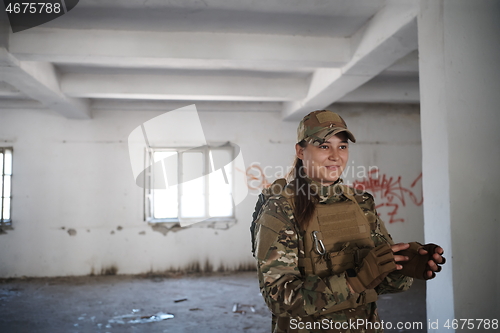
(304, 200)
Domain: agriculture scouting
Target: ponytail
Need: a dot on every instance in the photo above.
(304, 200)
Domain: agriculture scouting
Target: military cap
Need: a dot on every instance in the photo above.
(320, 125)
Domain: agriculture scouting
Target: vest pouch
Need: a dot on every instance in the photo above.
(320, 266)
(342, 260)
(368, 296)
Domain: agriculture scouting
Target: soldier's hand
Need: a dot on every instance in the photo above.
(374, 268)
(398, 258)
(424, 260)
(437, 259)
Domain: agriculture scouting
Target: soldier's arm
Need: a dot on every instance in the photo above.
(394, 282)
(282, 285)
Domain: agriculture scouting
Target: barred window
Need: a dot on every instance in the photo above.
(6, 188)
(176, 189)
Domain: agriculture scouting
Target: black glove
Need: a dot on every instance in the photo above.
(417, 265)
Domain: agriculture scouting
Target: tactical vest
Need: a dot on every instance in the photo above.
(337, 238)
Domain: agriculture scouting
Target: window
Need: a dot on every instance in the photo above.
(6, 190)
(189, 184)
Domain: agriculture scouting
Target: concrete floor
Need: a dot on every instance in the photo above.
(204, 304)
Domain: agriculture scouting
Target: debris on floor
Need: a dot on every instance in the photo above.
(237, 308)
(180, 300)
(136, 318)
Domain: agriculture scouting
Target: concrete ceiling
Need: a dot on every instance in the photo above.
(288, 56)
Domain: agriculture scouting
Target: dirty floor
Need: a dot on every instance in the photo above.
(215, 303)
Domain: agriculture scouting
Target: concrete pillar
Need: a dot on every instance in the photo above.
(459, 50)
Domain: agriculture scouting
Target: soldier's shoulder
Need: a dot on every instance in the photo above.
(279, 188)
(363, 198)
(280, 208)
(279, 191)
(278, 203)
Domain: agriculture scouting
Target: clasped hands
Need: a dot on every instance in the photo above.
(410, 259)
(417, 260)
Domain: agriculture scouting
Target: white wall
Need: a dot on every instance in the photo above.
(76, 174)
(459, 77)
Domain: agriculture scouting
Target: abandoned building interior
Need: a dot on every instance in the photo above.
(110, 113)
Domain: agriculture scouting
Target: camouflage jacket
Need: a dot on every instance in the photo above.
(297, 301)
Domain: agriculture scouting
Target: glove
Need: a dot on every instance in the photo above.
(375, 266)
(417, 265)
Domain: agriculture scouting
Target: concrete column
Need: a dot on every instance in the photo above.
(459, 54)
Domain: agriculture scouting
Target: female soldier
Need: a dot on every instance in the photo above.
(323, 254)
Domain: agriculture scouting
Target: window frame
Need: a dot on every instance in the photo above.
(8, 222)
(148, 180)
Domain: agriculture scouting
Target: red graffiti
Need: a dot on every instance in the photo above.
(390, 191)
(256, 179)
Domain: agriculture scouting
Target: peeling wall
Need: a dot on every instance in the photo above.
(77, 211)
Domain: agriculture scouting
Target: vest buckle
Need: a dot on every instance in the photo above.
(318, 244)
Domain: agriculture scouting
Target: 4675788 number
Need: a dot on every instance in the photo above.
(471, 324)
(33, 8)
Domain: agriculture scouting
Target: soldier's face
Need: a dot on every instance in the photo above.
(325, 163)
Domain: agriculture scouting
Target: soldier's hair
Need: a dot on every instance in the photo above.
(304, 199)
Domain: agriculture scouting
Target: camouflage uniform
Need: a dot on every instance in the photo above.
(293, 297)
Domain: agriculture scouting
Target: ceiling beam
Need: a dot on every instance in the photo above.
(20, 104)
(178, 87)
(197, 50)
(390, 35)
(379, 90)
(6, 90)
(159, 105)
(40, 81)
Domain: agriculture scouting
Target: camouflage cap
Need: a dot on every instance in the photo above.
(319, 125)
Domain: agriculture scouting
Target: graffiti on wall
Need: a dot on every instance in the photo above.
(389, 192)
(256, 178)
